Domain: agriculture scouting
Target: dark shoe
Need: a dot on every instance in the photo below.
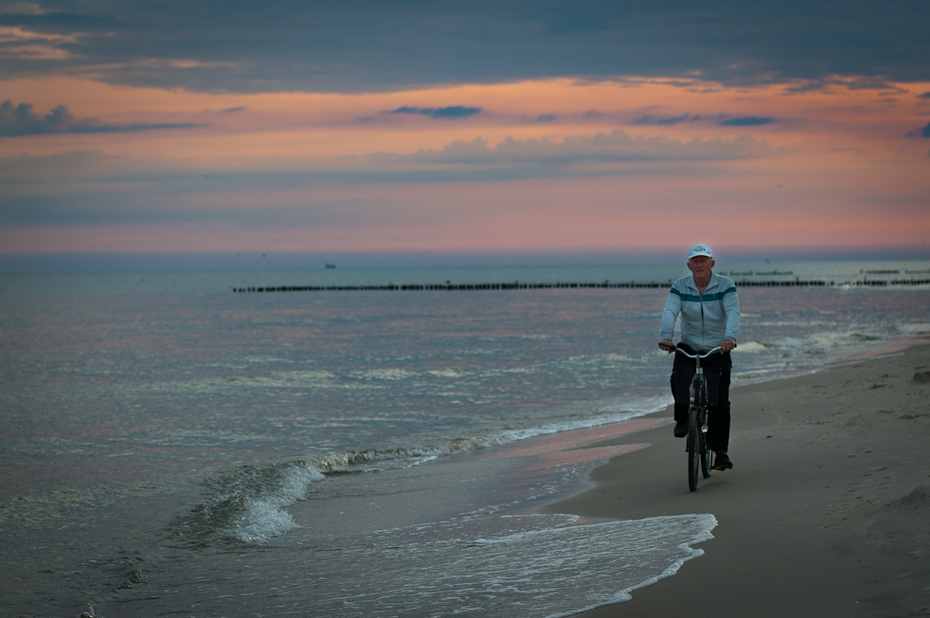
(681, 429)
(722, 462)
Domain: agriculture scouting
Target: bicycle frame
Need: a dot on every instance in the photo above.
(699, 455)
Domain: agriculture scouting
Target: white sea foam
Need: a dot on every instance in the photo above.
(537, 565)
(265, 517)
(751, 347)
(914, 329)
(263, 521)
(248, 503)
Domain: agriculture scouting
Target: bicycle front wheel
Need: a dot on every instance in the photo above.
(706, 454)
(694, 450)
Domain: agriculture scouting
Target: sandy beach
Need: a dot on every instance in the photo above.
(827, 509)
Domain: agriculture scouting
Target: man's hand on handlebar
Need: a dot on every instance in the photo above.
(725, 347)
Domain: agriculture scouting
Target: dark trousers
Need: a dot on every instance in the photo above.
(718, 430)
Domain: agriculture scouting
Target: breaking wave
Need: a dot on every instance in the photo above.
(248, 504)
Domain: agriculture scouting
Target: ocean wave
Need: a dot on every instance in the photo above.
(248, 504)
(813, 343)
(920, 328)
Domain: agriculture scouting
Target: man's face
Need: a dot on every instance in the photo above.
(700, 266)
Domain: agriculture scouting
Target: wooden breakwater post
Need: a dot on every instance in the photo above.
(516, 285)
(449, 287)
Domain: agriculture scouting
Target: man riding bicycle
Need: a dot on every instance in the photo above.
(709, 310)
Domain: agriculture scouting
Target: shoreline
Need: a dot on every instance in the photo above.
(825, 511)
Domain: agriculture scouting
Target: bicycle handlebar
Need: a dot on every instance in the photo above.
(695, 356)
(701, 356)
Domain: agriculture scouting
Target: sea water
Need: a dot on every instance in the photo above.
(172, 446)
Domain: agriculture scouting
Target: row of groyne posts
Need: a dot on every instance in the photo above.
(516, 285)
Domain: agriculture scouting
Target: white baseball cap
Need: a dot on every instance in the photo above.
(697, 250)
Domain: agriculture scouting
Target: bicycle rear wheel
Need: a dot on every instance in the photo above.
(694, 450)
(706, 454)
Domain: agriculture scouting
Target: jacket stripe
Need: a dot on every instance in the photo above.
(694, 298)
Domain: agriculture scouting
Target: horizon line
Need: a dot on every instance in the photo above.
(254, 260)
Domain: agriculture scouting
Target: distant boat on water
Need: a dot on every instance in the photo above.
(330, 266)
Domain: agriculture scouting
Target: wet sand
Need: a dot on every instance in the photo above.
(827, 509)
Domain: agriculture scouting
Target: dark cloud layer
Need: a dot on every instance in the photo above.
(924, 132)
(362, 45)
(575, 155)
(449, 113)
(723, 121)
(746, 121)
(21, 120)
(665, 121)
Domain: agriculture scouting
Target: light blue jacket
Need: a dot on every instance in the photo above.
(706, 319)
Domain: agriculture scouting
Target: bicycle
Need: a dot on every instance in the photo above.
(702, 398)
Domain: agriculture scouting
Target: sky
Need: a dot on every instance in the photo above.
(448, 132)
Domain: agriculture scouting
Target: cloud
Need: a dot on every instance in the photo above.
(76, 185)
(924, 132)
(738, 121)
(746, 121)
(19, 43)
(450, 113)
(21, 121)
(925, 95)
(874, 82)
(86, 188)
(574, 156)
(24, 8)
(363, 46)
(666, 121)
